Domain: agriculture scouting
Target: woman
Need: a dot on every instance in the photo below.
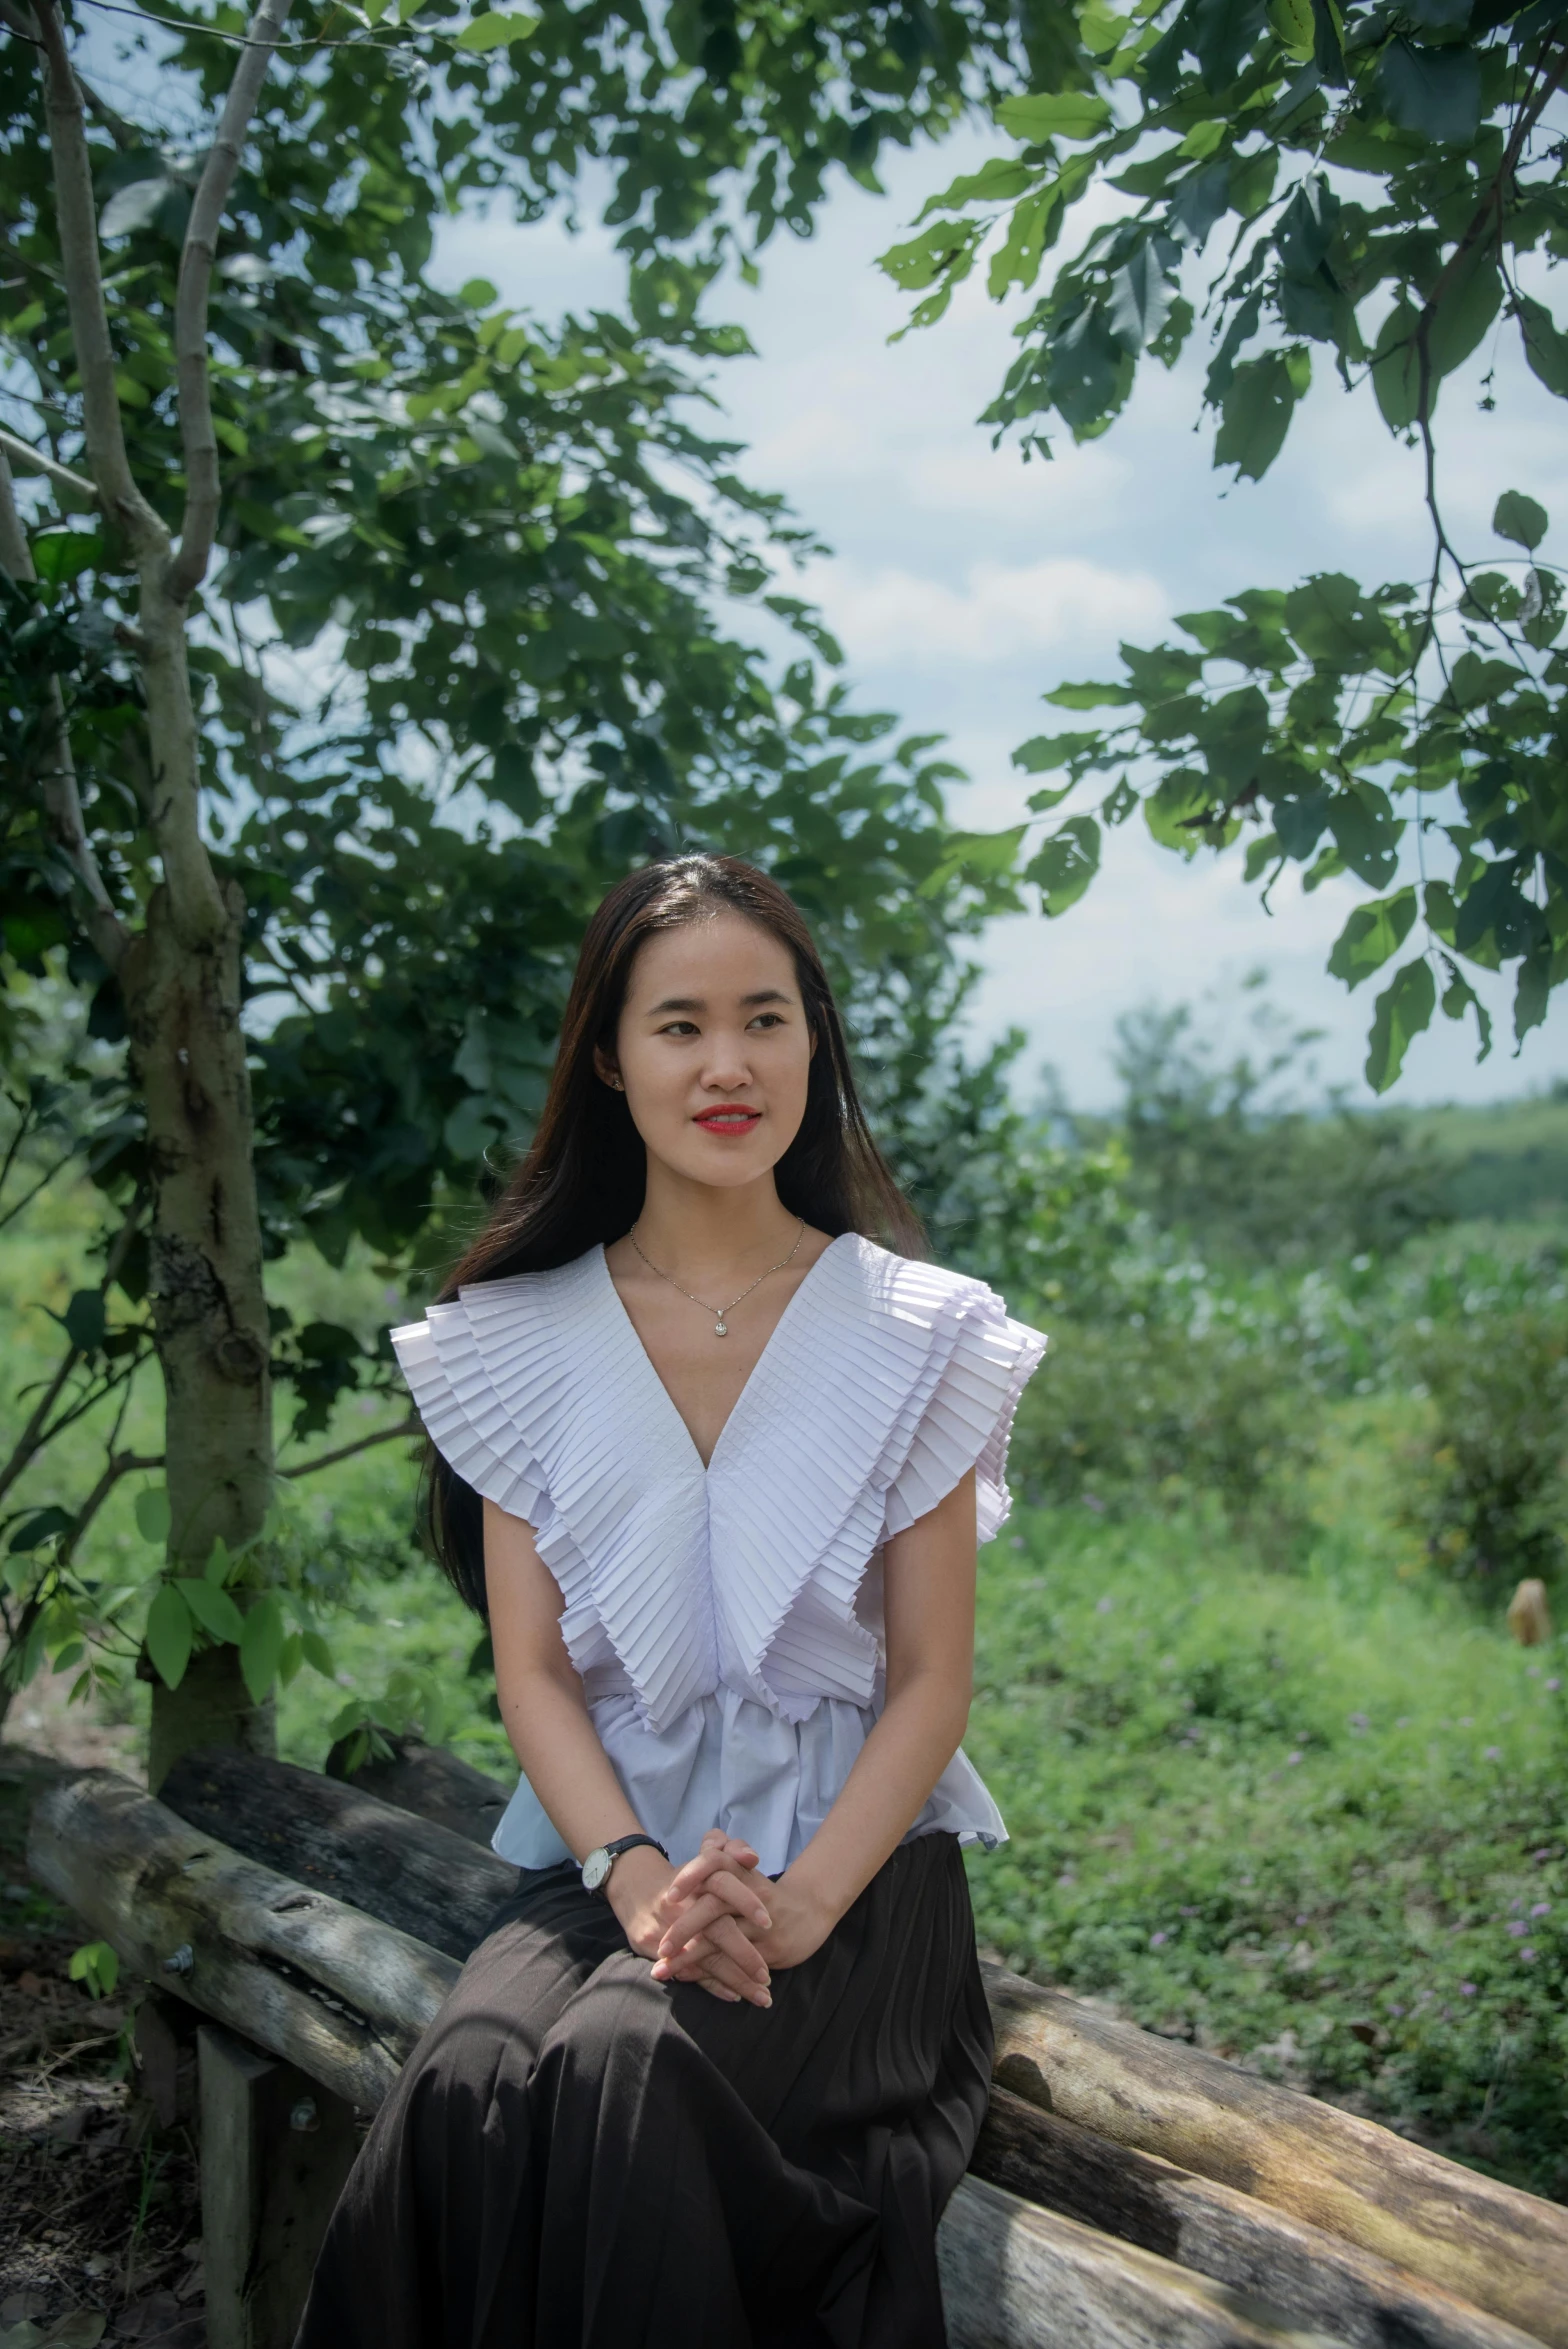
(715, 1464)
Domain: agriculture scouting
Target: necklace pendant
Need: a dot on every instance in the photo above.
(721, 1329)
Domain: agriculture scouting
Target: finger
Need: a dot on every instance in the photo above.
(722, 1895)
(719, 1969)
(724, 1939)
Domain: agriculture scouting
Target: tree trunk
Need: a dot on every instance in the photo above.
(181, 980)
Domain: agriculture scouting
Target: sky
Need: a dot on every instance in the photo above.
(964, 584)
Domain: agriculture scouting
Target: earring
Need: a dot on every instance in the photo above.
(616, 1082)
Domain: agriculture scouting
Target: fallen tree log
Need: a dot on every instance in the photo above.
(337, 1838)
(344, 1997)
(1006, 2265)
(329, 1988)
(1417, 2219)
(1225, 2235)
(428, 1780)
(1489, 2244)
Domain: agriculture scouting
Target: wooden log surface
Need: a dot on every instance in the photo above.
(1013, 2276)
(428, 1780)
(337, 1838)
(326, 1986)
(1502, 2251)
(1227, 2236)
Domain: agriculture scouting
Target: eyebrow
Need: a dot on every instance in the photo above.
(699, 1003)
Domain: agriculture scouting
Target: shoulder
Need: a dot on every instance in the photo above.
(911, 1288)
(484, 1311)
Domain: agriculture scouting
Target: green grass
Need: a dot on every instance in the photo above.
(1295, 1820)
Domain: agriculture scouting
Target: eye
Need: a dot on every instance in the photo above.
(768, 1019)
(679, 1028)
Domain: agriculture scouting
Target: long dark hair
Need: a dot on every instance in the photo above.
(583, 1178)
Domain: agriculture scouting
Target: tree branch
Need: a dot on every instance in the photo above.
(22, 452)
(124, 135)
(57, 768)
(190, 309)
(383, 1435)
(78, 225)
(117, 1465)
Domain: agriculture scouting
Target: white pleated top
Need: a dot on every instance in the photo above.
(727, 1620)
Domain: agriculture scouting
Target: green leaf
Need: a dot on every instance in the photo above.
(1293, 21)
(1091, 697)
(1545, 346)
(170, 1632)
(497, 30)
(1042, 754)
(318, 1655)
(1533, 987)
(261, 1646)
(1468, 305)
(96, 1963)
(213, 1609)
(63, 555)
(1067, 114)
(1366, 831)
(152, 1514)
(1374, 933)
(1520, 519)
(40, 1526)
(1396, 367)
(84, 1320)
(220, 1563)
(1404, 1008)
(1434, 92)
(1066, 864)
(985, 855)
(1458, 998)
(1255, 414)
(1140, 298)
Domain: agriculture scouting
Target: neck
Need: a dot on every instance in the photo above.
(698, 1229)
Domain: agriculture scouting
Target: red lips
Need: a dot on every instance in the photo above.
(732, 1117)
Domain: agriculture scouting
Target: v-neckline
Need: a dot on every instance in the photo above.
(706, 1467)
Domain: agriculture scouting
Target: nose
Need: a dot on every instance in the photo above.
(726, 1068)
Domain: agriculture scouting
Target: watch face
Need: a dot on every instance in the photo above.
(595, 1869)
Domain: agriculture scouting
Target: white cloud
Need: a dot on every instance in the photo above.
(996, 612)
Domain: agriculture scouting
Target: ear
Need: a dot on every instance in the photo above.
(606, 1071)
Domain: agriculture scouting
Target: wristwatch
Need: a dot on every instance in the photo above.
(597, 1866)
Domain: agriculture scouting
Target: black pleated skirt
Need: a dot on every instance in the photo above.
(578, 2157)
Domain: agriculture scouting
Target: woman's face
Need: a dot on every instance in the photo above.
(713, 1049)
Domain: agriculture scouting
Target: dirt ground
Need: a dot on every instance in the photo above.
(100, 2217)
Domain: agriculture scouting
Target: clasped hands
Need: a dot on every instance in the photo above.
(716, 1921)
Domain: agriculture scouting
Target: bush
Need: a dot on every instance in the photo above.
(1156, 1412)
(1492, 1496)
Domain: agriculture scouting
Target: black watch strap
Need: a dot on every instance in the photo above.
(596, 1867)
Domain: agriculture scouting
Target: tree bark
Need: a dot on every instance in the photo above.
(336, 1992)
(1351, 2294)
(180, 976)
(182, 1001)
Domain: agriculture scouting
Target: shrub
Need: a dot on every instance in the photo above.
(1126, 1414)
(1491, 1497)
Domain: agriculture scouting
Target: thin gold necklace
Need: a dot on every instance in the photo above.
(721, 1327)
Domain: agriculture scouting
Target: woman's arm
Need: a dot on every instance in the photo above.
(929, 1603)
(547, 1720)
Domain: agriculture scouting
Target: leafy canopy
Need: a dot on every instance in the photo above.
(1373, 188)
